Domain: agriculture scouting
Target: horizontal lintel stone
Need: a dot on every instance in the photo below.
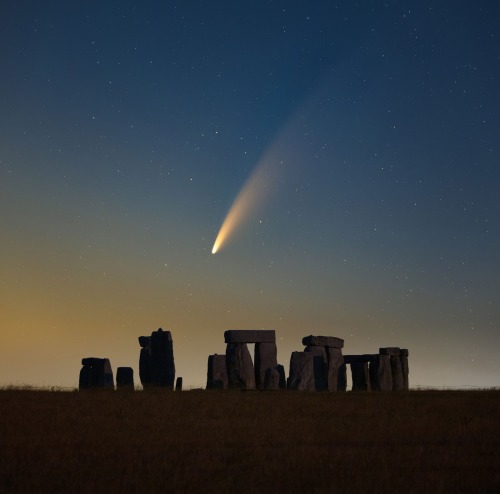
(250, 336)
(327, 341)
(390, 351)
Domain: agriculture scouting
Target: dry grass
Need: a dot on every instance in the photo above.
(91, 442)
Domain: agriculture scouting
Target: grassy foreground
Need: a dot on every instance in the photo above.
(198, 441)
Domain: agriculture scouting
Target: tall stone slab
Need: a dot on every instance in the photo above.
(360, 376)
(406, 371)
(397, 373)
(335, 361)
(272, 379)
(96, 373)
(320, 364)
(381, 373)
(240, 370)
(265, 358)
(145, 361)
(301, 375)
(250, 336)
(342, 383)
(162, 359)
(125, 378)
(178, 384)
(217, 372)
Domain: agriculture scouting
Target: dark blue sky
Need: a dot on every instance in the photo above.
(128, 128)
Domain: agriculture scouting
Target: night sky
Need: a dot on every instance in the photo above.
(128, 128)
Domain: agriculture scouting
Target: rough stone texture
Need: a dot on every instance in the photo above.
(125, 378)
(272, 379)
(328, 341)
(265, 358)
(368, 357)
(301, 375)
(144, 341)
(390, 351)
(381, 373)
(96, 373)
(404, 352)
(320, 363)
(281, 371)
(406, 371)
(342, 383)
(335, 361)
(145, 367)
(217, 372)
(178, 384)
(360, 376)
(240, 371)
(250, 336)
(397, 373)
(162, 359)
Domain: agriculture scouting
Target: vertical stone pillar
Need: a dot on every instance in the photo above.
(145, 361)
(320, 363)
(342, 382)
(265, 358)
(381, 373)
(301, 375)
(397, 373)
(406, 371)
(360, 376)
(178, 384)
(162, 359)
(96, 373)
(335, 361)
(240, 370)
(217, 372)
(125, 378)
(275, 378)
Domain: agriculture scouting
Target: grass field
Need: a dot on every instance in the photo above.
(199, 441)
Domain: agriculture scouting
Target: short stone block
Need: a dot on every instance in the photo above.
(250, 336)
(301, 375)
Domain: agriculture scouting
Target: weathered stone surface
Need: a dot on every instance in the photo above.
(381, 373)
(217, 372)
(96, 373)
(397, 373)
(350, 359)
(162, 359)
(145, 367)
(240, 371)
(342, 383)
(360, 376)
(265, 358)
(178, 384)
(335, 361)
(125, 378)
(144, 341)
(272, 379)
(320, 363)
(250, 336)
(328, 341)
(404, 352)
(301, 375)
(406, 371)
(390, 350)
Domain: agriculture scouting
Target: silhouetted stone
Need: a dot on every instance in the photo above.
(381, 373)
(335, 361)
(272, 379)
(265, 358)
(397, 373)
(404, 352)
(301, 375)
(368, 357)
(342, 382)
(144, 341)
(217, 372)
(390, 351)
(96, 373)
(320, 363)
(162, 359)
(125, 378)
(178, 384)
(327, 341)
(404, 365)
(145, 367)
(240, 371)
(249, 336)
(360, 376)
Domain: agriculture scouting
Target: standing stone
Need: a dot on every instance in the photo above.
(125, 378)
(301, 375)
(217, 372)
(265, 358)
(397, 373)
(360, 376)
(178, 384)
(342, 382)
(335, 361)
(96, 373)
(272, 379)
(381, 373)
(85, 380)
(162, 359)
(320, 363)
(406, 371)
(240, 371)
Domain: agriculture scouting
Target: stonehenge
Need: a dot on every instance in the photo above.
(320, 366)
